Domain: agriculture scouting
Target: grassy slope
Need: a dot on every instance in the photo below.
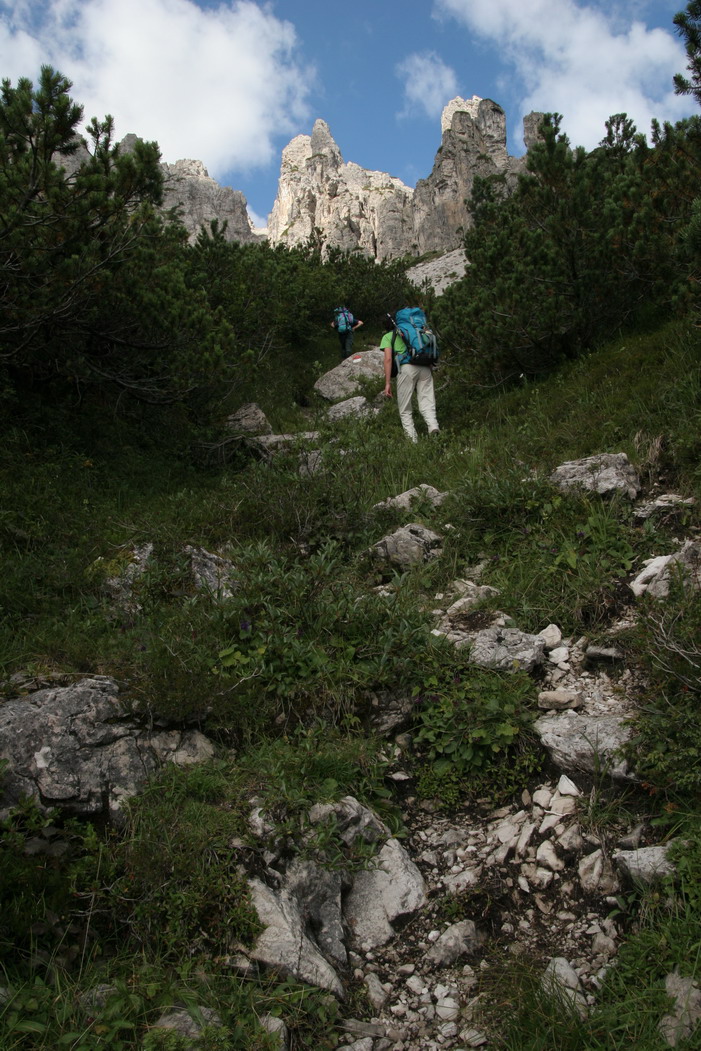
(299, 545)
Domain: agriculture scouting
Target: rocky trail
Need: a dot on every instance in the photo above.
(409, 943)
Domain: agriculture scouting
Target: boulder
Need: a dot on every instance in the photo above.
(79, 749)
(358, 407)
(506, 649)
(683, 1020)
(267, 445)
(405, 501)
(561, 981)
(411, 544)
(684, 565)
(284, 945)
(646, 864)
(606, 474)
(347, 378)
(393, 888)
(249, 419)
(585, 743)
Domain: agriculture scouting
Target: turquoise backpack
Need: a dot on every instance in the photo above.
(344, 319)
(420, 341)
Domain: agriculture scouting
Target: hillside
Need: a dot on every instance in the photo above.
(280, 675)
(316, 736)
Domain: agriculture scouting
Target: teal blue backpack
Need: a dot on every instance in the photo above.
(420, 340)
(344, 319)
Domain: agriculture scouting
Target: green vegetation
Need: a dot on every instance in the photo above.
(122, 351)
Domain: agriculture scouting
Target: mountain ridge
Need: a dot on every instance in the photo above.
(322, 197)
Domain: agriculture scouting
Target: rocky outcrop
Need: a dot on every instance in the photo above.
(473, 144)
(348, 207)
(311, 915)
(322, 197)
(79, 748)
(439, 273)
(605, 474)
(199, 200)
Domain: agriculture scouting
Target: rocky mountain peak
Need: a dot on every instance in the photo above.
(323, 144)
(187, 168)
(350, 207)
(353, 208)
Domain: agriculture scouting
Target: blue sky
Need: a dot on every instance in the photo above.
(230, 83)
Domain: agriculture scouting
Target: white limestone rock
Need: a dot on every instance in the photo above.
(606, 473)
(585, 743)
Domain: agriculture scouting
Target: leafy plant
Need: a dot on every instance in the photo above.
(473, 721)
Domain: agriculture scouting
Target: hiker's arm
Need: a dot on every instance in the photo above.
(357, 325)
(388, 372)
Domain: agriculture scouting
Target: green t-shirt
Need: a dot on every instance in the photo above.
(400, 352)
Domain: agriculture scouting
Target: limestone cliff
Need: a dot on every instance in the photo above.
(473, 143)
(352, 208)
(199, 199)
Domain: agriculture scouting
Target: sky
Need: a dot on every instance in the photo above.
(230, 82)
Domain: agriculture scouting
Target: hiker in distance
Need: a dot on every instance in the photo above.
(345, 324)
(410, 354)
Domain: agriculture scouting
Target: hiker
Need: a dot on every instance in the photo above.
(410, 378)
(345, 324)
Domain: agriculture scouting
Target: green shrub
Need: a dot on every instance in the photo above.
(473, 720)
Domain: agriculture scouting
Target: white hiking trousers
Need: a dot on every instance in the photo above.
(417, 378)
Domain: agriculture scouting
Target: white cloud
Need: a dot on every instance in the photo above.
(216, 84)
(581, 61)
(428, 83)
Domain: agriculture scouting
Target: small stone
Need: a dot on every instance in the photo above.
(473, 1038)
(377, 994)
(567, 787)
(560, 700)
(552, 636)
(571, 839)
(603, 946)
(547, 856)
(448, 1008)
(563, 806)
(542, 797)
(559, 655)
